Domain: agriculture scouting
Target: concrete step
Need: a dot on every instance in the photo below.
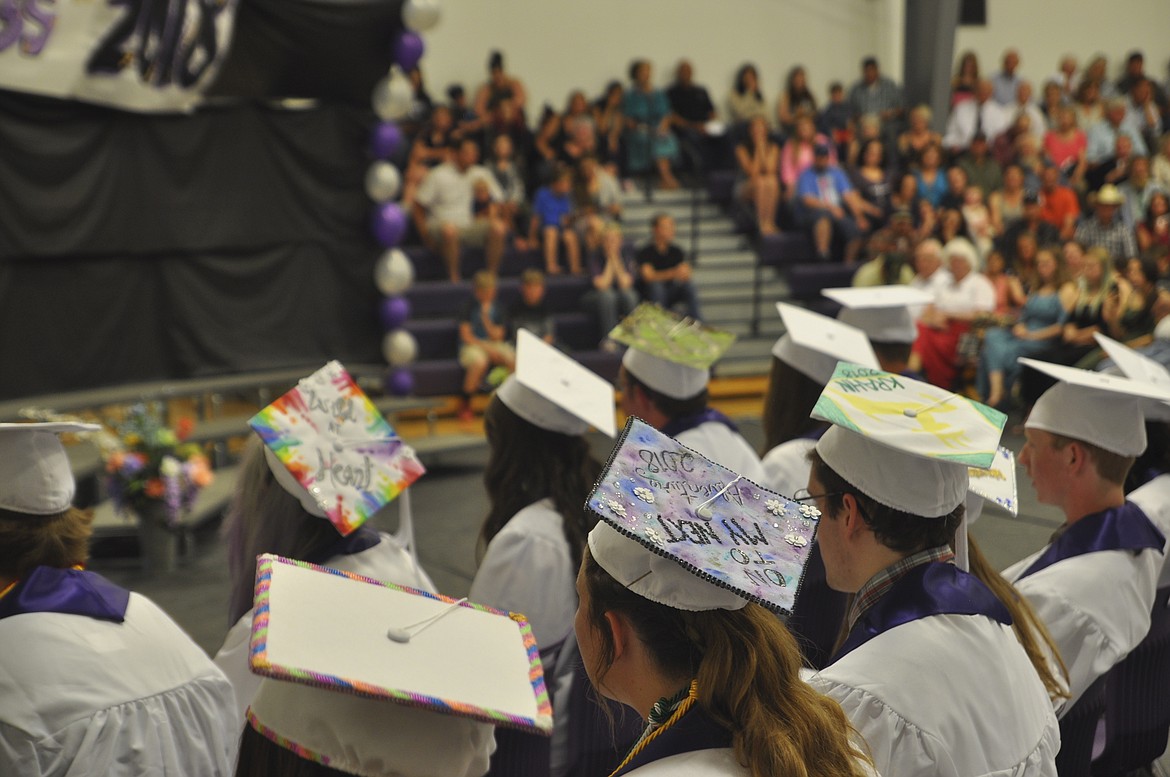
(659, 197)
(713, 259)
(770, 291)
(639, 226)
(644, 211)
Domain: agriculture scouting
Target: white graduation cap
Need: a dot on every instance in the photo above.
(327, 445)
(902, 442)
(685, 532)
(885, 313)
(667, 352)
(1104, 410)
(997, 485)
(324, 637)
(555, 392)
(35, 477)
(1138, 366)
(814, 343)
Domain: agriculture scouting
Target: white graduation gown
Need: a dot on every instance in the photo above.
(946, 696)
(388, 561)
(1154, 499)
(786, 466)
(721, 445)
(81, 696)
(1096, 606)
(528, 568)
(716, 762)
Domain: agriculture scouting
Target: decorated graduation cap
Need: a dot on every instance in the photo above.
(884, 313)
(35, 476)
(994, 485)
(555, 392)
(1108, 411)
(669, 353)
(328, 445)
(690, 534)
(902, 442)
(1137, 366)
(815, 343)
(345, 689)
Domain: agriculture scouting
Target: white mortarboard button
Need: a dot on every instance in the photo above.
(667, 352)
(885, 313)
(35, 477)
(555, 392)
(690, 534)
(328, 445)
(902, 442)
(1139, 367)
(320, 636)
(815, 343)
(1104, 410)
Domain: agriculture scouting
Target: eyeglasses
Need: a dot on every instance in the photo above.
(802, 495)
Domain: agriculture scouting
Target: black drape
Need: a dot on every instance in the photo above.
(138, 247)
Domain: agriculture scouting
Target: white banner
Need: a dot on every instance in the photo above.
(142, 55)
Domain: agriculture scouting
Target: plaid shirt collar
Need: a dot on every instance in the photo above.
(878, 585)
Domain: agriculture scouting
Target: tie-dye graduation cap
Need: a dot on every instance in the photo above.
(667, 352)
(329, 446)
(688, 533)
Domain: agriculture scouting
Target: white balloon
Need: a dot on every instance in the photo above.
(383, 182)
(393, 273)
(399, 348)
(393, 96)
(420, 15)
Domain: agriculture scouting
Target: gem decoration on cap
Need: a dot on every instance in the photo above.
(555, 392)
(814, 343)
(327, 628)
(885, 313)
(1137, 366)
(688, 533)
(997, 483)
(329, 436)
(35, 476)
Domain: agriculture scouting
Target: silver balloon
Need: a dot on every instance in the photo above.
(393, 96)
(399, 348)
(393, 273)
(383, 182)
(420, 15)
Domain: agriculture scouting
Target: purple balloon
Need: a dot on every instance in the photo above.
(387, 140)
(389, 224)
(394, 312)
(399, 381)
(408, 49)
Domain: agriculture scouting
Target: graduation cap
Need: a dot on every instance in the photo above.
(885, 313)
(815, 343)
(669, 353)
(997, 485)
(1137, 366)
(555, 392)
(329, 446)
(1108, 411)
(905, 443)
(35, 476)
(327, 637)
(683, 531)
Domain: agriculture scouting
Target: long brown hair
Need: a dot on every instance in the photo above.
(747, 666)
(528, 464)
(788, 405)
(1029, 629)
(60, 540)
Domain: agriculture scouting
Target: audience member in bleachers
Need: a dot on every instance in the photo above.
(977, 217)
(546, 145)
(1135, 72)
(1097, 72)
(967, 296)
(432, 146)
(1088, 105)
(905, 202)
(1067, 77)
(664, 272)
(928, 173)
(421, 104)
(1005, 82)
(758, 182)
(795, 99)
(597, 201)
(1065, 146)
(874, 182)
(94, 679)
(1131, 315)
(1009, 292)
(1040, 324)
(693, 111)
(499, 86)
(887, 265)
(746, 100)
(950, 226)
(869, 127)
(577, 137)
(1160, 166)
(1144, 112)
(650, 145)
(1021, 255)
(1023, 105)
(1137, 191)
(966, 78)
(1032, 224)
(971, 117)
(443, 210)
(530, 311)
(1007, 201)
(797, 154)
(877, 94)
(465, 122)
(613, 276)
(828, 205)
(1025, 152)
(1102, 135)
(929, 273)
(982, 169)
(483, 339)
(955, 195)
(552, 222)
(509, 177)
(1106, 228)
(611, 124)
(1114, 169)
(836, 120)
(1052, 102)
(483, 207)
(1153, 232)
(918, 135)
(505, 119)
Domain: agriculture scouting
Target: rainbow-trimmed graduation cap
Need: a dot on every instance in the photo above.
(338, 447)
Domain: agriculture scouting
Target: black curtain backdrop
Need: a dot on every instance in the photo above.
(138, 247)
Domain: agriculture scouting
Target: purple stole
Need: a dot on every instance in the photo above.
(362, 539)
(1117, 528)
(937, 588)
(692, 732)
(66, 591)
(677, 426)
